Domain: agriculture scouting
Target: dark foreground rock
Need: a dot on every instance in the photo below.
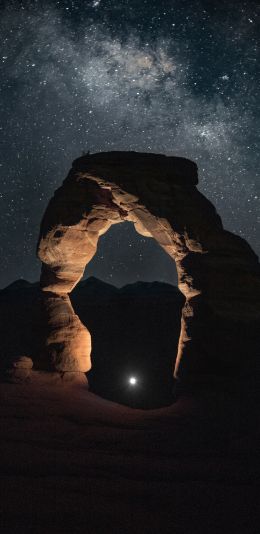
(72, 462)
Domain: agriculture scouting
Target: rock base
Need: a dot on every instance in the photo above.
(22, 372)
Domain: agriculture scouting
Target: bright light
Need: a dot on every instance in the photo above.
(132, 381)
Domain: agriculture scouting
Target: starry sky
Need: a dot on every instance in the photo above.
(178, 77)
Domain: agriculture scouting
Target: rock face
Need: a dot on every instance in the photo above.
(218, 272)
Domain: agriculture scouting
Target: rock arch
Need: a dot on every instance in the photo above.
(217, 271)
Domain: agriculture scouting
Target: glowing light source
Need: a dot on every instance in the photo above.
(132, 381)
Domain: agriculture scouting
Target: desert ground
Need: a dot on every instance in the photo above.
(74, 462)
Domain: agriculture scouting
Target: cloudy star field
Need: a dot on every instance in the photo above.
(173, 76)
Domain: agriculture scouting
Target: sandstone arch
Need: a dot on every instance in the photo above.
(217, 271)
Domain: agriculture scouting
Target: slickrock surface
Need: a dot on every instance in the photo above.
(71, 462)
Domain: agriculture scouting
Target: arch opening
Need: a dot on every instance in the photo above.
(125, 257)
(135, 328)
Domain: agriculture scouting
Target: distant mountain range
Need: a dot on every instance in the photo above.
(94, 287)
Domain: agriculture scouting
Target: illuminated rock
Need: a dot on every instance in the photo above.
(21, 369)
(68, 342)
(218, 272)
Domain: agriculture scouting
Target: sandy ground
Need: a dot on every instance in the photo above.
(72, 462)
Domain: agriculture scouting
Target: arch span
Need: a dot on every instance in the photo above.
(217, 271)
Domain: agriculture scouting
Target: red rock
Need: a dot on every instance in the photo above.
(218, 271)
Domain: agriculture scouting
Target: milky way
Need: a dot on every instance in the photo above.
(178, 78)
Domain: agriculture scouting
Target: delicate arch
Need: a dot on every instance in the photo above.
(216, 269)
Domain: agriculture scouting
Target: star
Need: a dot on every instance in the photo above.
(129, 76)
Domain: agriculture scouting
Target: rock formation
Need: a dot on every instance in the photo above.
(218, 272)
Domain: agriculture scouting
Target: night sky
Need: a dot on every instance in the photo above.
(178, 77)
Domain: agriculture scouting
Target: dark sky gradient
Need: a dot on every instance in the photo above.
(177, 77)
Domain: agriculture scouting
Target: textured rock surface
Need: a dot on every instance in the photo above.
(68, 341)
(21, 369)
(218, 271)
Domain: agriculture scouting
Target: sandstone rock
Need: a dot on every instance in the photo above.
(218, 271)
(68, 342)
(20, 370)
(57, 379)
(19, 375)
(23, 363)
(74, 378)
